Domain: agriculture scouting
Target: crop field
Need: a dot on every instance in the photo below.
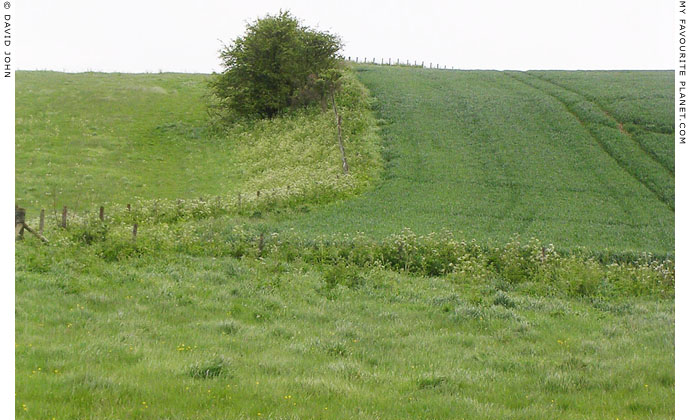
(502, 248)
(640, 101)
(492, 154)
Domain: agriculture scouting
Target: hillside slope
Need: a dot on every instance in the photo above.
(89, 139)
(210, 311)
(578, 159)
(492, 154)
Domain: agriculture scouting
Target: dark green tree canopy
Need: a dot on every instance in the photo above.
(276, 64)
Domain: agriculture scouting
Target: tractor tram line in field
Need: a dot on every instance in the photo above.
(608, 113)
(659, 185)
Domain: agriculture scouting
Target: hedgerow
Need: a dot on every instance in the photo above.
(538, 267)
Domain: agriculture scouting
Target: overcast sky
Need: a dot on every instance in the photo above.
(185, 36)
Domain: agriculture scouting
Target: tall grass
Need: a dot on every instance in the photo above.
(192, 332)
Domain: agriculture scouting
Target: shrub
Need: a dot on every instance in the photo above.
(277, 63)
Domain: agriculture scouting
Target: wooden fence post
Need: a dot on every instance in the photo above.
(64, 217)
(101, 213)
(19, 218)
(346, 169)
(42, 221)
(20, 225)
(134, 231)
(129, 208)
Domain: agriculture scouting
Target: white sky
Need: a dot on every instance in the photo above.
(173, 35)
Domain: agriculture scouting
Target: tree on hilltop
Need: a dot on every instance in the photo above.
(277, 64)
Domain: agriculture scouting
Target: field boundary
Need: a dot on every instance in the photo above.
(399, 63)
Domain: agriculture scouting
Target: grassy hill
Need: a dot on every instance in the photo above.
(84, 140)
(491, 154)
(578, 159)
(249, 294)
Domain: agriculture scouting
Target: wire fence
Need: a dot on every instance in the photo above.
(398, 62)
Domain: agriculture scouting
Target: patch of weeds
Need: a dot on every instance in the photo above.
(431, 382)
(622, 308)
(568, 381)
(93, 383)
(278, 267)
(89, 232)
(210, 369)
(504, 300)
(347, 370)
(335, 349)
(215, 278)
(446, 302)
(522, 327)
(119, 249)
(466, 311)
(667, 380)
(574, 363)
(183, 299)
(342, 274)
(638, 407)
(231, 270)
(269, 283)
(259, 316)
(229, 327)
(280, 332)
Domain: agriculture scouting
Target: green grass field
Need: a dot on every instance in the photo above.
(182, 337)
(400, 291)
(85, 140)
